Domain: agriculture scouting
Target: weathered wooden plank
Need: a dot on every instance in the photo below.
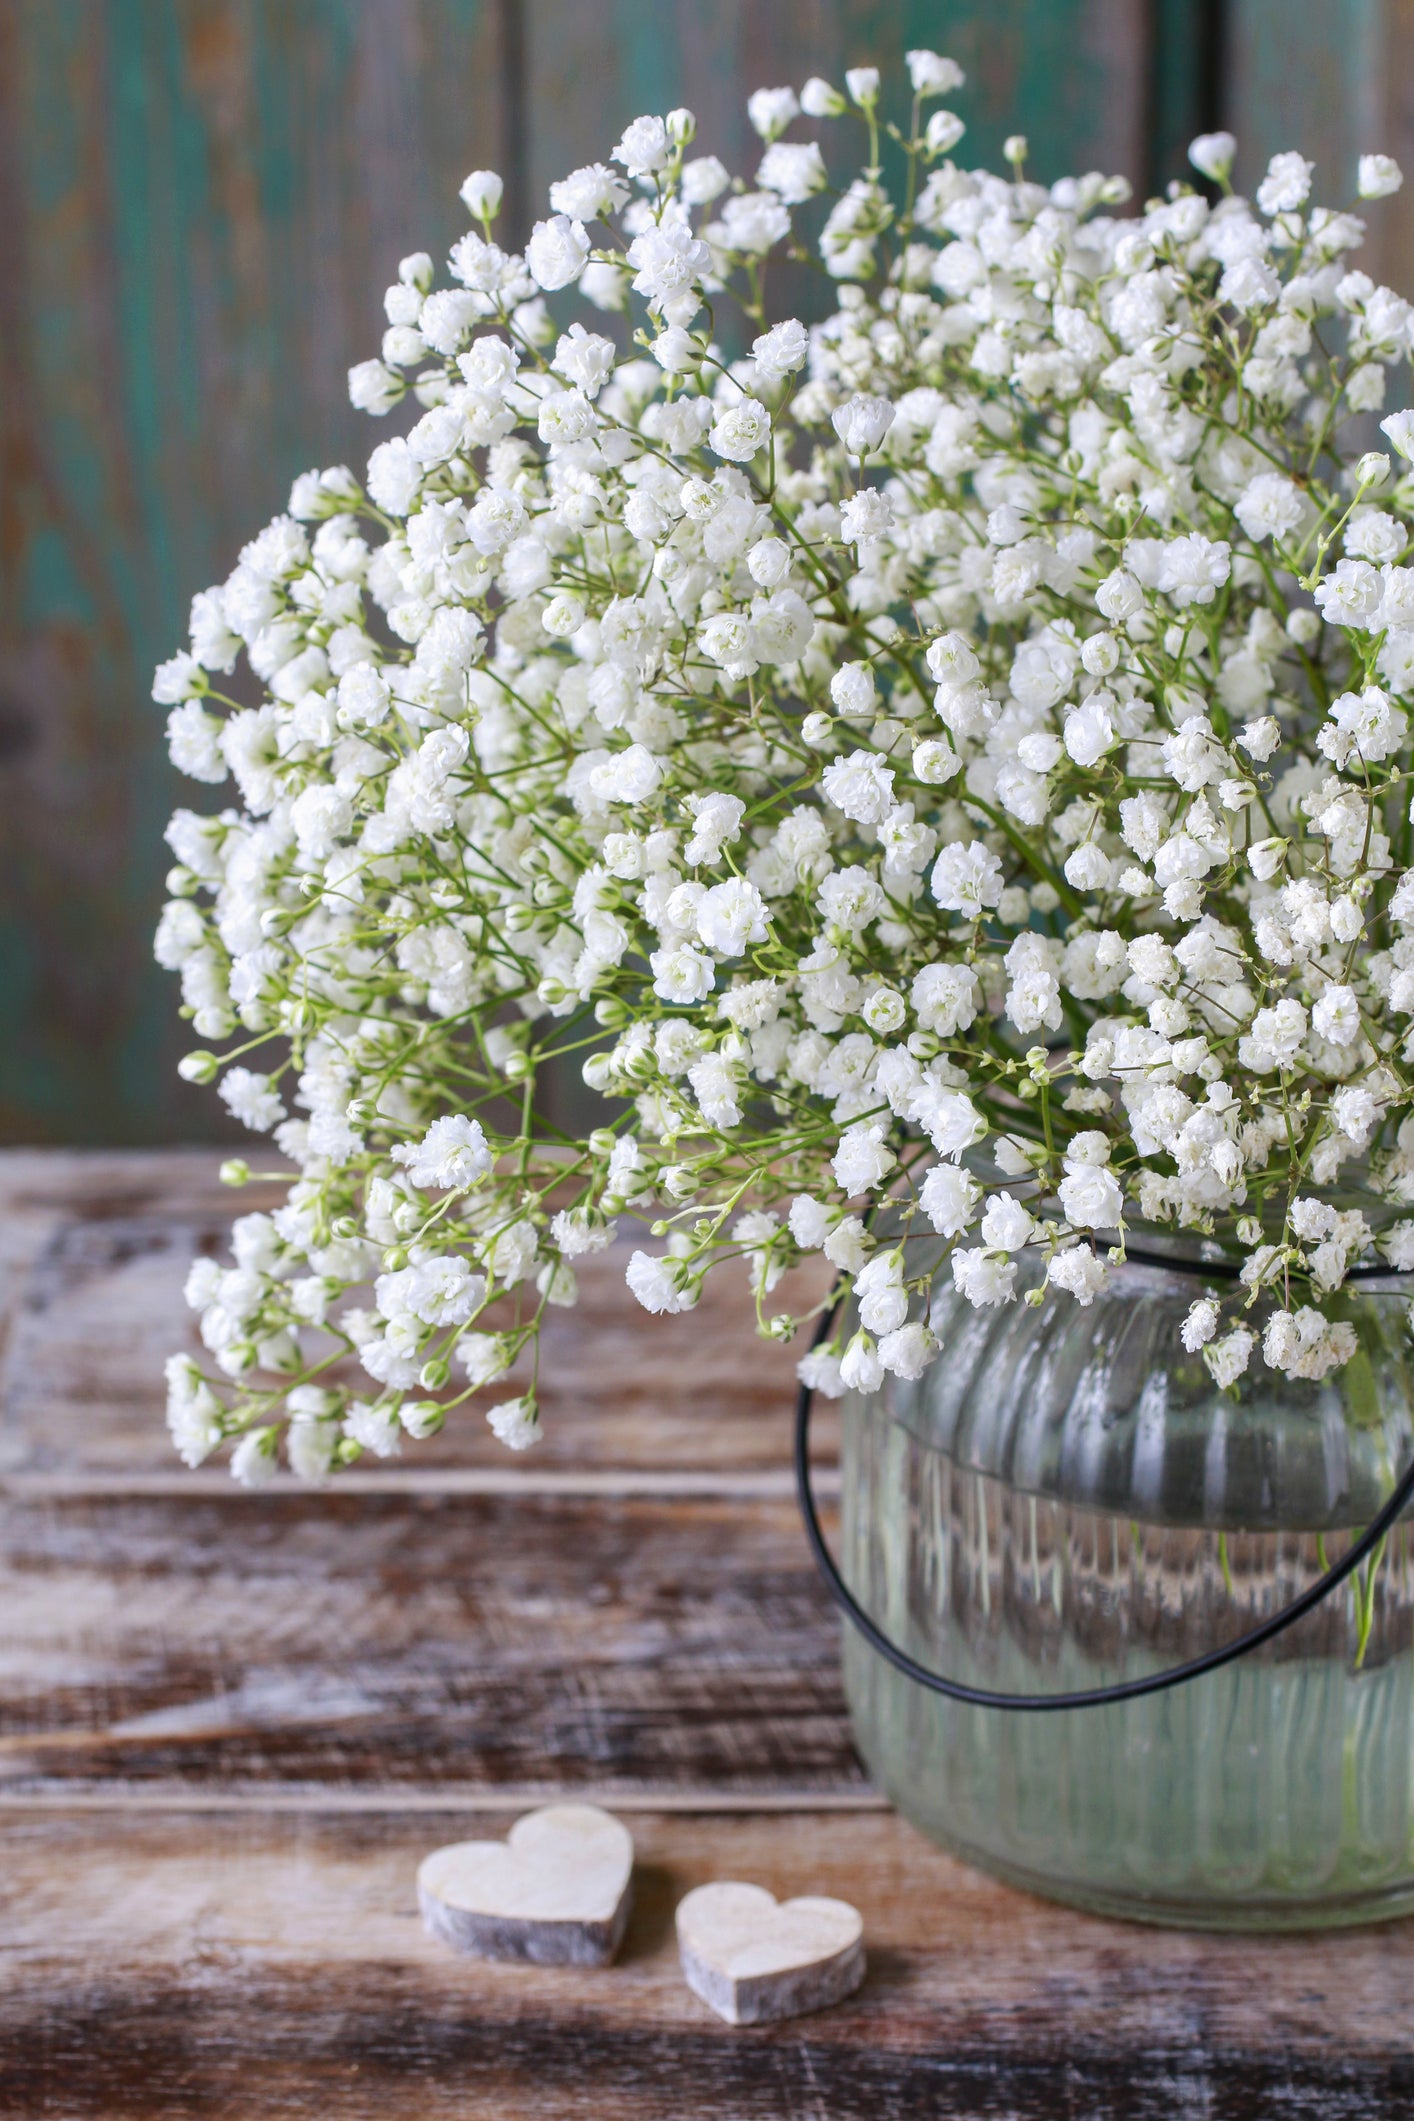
(1334, 81)
(278, 1968)
(299, 1641)
(1186, 73)
(1068, 73)
(102, 1248)
(200, 205)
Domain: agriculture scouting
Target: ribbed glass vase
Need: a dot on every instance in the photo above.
(1066, 1500)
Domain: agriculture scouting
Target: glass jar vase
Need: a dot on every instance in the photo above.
(1066, 1500)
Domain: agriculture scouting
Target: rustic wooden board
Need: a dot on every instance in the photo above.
(1335, 81)
(230, 1725)
(549, 1642)
(200, 205)
(255, 1966)
(93, 1255)
(1071, 74)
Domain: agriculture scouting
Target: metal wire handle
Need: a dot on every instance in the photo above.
(1085, 1697)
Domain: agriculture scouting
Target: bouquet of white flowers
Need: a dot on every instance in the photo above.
(942, 770)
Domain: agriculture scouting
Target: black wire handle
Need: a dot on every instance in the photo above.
(1085, 1697)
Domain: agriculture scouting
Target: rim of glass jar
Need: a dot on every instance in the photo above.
(1181, 1252)
(1148, 1245)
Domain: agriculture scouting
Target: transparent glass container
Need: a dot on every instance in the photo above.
(1065, 1500)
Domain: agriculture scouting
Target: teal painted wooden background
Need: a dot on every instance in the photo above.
(200, 204)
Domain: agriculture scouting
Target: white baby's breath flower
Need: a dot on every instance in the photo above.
(822, 1371)
(1286, 185)
(771, 110)
(1212, 154)
(1379, 176)
(795, 171)
(589, 194)
(861, 786)
(1228, 1358)
(657, 1284)
(740, 430)
(481, 193)
(644, 147)
(1078, 1271)
(1200, 1324)
(819, 100)
(931, 74)
(453, 1152)
(862, 422)
(515, 1423)
(982, 1278)
(373, 1426)
(253, 1460)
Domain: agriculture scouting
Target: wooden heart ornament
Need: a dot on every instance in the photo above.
(754, 1958)
(557, 1891)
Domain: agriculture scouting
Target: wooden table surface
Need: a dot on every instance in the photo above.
(230, 1725)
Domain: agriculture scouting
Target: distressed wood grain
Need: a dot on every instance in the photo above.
(277, 1968)
(201, 202)
(231, 1725)
(297, 1641)
(93, 1255)
(1071, 74)
(1335, 81)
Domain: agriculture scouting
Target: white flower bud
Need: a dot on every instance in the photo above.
(1212, 155)
(374, 387)
(768, 562)
(819, 100)
(861, 423)
(853, 691)
(932, 74)
(1399, 426)
(943, 131)
(563, 615)
(935, 761)
(1099, 655)
(557, 252)
(481, 195)
(676, 351)
(1379, 176)
(771, 110)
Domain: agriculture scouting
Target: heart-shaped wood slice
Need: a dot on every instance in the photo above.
(754, 1958)
(557, 1891)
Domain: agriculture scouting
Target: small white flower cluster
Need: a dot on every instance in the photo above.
(939, 770)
